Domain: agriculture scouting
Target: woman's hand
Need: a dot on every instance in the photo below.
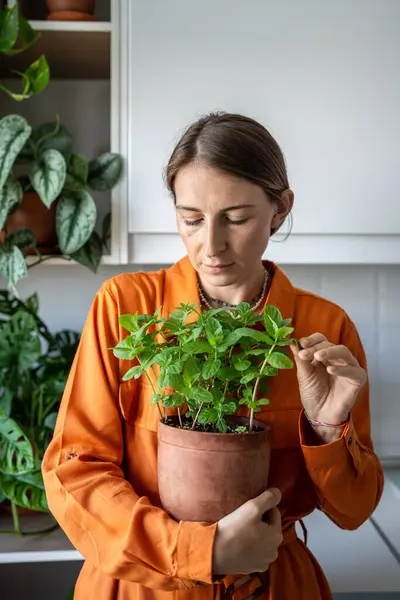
(247, 540)
(330, 379)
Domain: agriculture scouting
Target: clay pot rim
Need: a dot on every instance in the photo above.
(234, 418)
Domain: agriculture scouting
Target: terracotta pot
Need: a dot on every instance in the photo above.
(71, 10)
(33, 214)
(205, 476)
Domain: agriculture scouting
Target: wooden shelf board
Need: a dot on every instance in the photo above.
(72, 26)
(72, 52)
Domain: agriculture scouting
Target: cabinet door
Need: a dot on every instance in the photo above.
(323, 78)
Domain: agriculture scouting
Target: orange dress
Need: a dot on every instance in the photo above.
(100, 469)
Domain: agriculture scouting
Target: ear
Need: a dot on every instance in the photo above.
(283, 208)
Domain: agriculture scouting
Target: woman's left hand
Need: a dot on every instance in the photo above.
(330, 379)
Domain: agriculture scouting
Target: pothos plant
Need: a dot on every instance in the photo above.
(207, 364)
(16, 36)
(56, 173)
(34, 366)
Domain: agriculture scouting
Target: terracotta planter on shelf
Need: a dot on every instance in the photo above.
(71, 10)
(33, 214)
(205, 476)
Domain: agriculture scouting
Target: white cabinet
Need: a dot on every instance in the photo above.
(322, 78)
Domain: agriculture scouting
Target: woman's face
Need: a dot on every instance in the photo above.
(224, 221)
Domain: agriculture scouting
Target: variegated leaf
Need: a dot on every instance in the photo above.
(48, 176)
(75, 220)
(10, 196)
(16, 268)
(14, 132)
(77, 173)
(105, 171)
(90, 254)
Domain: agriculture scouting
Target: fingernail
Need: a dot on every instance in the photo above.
(322, 353)
(305, 354)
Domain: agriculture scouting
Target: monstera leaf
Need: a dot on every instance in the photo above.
(16, 455)
(25, 490)
(19, 342)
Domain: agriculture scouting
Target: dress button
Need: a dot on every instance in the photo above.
(350, 440)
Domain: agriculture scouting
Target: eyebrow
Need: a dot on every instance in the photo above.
(235, 207)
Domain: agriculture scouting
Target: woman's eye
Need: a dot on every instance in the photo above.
(192, 223)
(237, 222)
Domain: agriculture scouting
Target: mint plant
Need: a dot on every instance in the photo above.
(207, 364)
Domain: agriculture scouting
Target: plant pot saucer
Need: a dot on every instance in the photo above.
(71, 15)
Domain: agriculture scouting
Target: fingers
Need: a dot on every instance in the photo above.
(355, 375)
(273, 517)
(266, 501)
(311, 340)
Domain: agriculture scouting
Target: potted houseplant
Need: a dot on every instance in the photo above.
(16, 35)
(48, 208)
(71, 10)
(34, 365)
(203, 367)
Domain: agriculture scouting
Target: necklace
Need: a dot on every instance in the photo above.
(255, 303)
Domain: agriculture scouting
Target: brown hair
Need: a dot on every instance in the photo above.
(234, 144)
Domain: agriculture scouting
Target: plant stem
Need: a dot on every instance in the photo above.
(255, 390)
(15, 516)
(197, 416)
(49, 257)
(26, 533)
(179, 416)
(165, 412)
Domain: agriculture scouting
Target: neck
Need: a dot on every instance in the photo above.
(238, 292)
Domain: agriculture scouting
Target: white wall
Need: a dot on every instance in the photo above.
(369, 294)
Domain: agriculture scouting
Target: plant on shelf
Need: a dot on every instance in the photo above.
(13, 29)
(202, 368)
(55, 178)
(34, 365)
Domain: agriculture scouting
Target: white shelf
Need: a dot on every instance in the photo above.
(49, 547)
(72, 26)
(108, 259)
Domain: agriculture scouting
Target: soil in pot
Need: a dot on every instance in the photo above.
(205, 476)
(33, 214)
(71, 10)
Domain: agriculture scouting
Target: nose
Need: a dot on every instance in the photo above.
(215, 240)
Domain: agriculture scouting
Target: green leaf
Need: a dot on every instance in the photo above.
(37, 75)
(28, 35)
(19, 342)
(8, 28)
(280, 361)
(274, 314)
(50, 420)
(283, 332)
(53, 136)
(77, 173)
(22, 238)
(191, 371)
(105, 171)
(90, 254)
(242, 332)
(229, 408)
(210, 368)
(75, 220)
(6, 401)
(175, 368)
(16, 455)
(201, 395)
(48, 176)
(172, 400)
(228, 374)
(13, 266)
(30, 495)
(32, 302)
(129, 322)
(176, 382)
(14, 132)
(197, 348)
(10, 197)
(240, 364)
(208, 415)
(135, 372)
(222, 425)
(285, 322)
(249, 377)
(263, 401)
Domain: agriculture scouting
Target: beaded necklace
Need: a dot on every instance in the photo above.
(255, 303)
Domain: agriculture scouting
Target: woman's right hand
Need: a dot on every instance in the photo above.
(247, 540)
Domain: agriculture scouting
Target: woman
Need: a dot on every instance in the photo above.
(228, 179)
